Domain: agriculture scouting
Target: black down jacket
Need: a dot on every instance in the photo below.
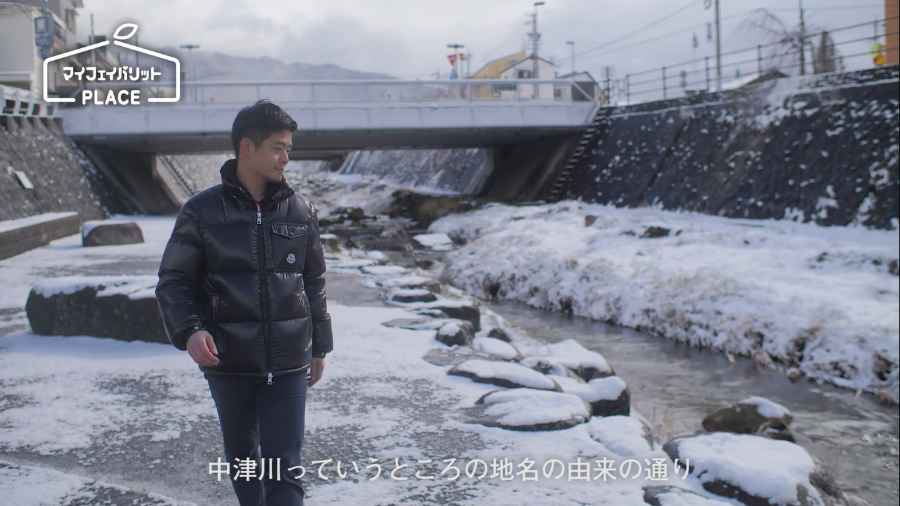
(252, 276)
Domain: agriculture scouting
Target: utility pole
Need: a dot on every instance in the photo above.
(534, 47)
(193, 72)
(468, 64)
(802, 42)
(573, 57)
(706, 5)
(456, 65)
(93, 55)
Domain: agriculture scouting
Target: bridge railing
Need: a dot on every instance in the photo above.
(370, 91)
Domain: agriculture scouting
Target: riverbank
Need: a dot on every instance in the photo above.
(807, 300)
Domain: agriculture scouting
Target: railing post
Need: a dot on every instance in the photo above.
(707, 73)
(257, 92)
(627, 90)
(664, 82)
(312, 94)
(759, 60)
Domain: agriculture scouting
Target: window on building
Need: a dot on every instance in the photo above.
(524, 74)
(70, 19)
(505, 87)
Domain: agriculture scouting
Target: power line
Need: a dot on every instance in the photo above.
(630, 34)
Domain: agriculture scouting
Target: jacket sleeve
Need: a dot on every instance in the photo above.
(314, 285)
(179, 278)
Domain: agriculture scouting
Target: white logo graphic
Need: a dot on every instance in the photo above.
(121, 34)
(291, 258)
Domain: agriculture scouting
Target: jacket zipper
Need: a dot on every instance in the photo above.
(261, 268)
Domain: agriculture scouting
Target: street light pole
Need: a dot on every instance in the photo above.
(802, 42)
(193, 73)
(455, 48)
(718, 51)
(573, 57)
(534, 47)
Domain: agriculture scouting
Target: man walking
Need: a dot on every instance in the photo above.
(242, 290)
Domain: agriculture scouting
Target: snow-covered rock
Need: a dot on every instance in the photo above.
(409, 282)
(461, 311)
(378, 257)
(110, 233)
(498, 333)
(607, 396)
(546, 365)
(330, 242)
(497, 347)
(459, 333)
(437, 242)
(751, 416)
(404, 295)
(622, 435)
(668, 495)
(755, 470)
(120, 307)
(504, 374)
(527, 409)
(383, 270)
(588, 364)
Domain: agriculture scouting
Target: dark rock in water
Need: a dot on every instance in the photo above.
(589, 220)
(750, 416)
(356, 213)
(655, 232)
(424, 263)
(122, 308)
(780, 434)
(667, 494)
(415, 295)
(468, 313)
(504, 374)
(111, 234)
(732, 466)
(893, 267)
(527, 409)
(498, 333)
(458, 333)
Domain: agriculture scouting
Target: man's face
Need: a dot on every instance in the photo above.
(270, 158)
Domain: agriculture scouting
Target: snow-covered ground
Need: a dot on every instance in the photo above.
(95, 400)
(789, 294)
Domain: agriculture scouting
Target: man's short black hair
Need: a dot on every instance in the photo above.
(258, 122)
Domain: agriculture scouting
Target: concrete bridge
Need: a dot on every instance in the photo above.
(344, 115)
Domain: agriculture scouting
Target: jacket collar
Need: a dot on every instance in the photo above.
(275, 192)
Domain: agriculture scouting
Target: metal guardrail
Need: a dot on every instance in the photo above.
(24, 103)
(672, 83)
(368, 91)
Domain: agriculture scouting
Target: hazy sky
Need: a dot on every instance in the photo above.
(408, 38)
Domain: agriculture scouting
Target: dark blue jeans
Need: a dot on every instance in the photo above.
(260, 420)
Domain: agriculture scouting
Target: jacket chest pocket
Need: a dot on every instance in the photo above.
(288, 251)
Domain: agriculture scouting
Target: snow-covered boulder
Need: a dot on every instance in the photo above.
(588, 364)
(622, 435)
(330, 242)
(504, 374)
(418, 323)
(497, 347)
(408, 282)
(527, 409)
(383, 270)
(436, 242)
(498, 333)
(755, 470)
(110, 233)
(753, 415)
(461, 311)
(607, 396)
(120, 307)
(378, 257)
(668, 495)
(546, 365)
(457, 332)
(406, 295)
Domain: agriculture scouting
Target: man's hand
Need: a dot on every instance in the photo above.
(316, 367)
(202, 349)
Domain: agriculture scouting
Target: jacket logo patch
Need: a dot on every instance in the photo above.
(291, 258)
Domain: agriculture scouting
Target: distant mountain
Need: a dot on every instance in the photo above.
(212, 66)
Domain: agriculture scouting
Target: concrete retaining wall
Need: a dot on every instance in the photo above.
(821, 148)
